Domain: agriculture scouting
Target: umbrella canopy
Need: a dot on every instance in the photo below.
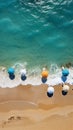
(65, 72)
(65, 88)
(50, 90)
(44, 74)
(11, 70)
(23, 72)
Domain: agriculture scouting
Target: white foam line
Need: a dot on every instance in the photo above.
(53, 79)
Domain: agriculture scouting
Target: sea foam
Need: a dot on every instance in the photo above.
(34, 78)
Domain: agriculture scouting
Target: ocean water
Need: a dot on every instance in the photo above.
(36, 33)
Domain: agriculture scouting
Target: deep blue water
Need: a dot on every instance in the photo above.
(36, 32)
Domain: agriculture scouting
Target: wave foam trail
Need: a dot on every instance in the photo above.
(54, 78)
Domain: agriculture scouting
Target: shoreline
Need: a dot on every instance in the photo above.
(53, 79)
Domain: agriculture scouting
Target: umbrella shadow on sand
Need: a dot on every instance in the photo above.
(64, 78)
(44, 80)
(23, 77)
(64, 93)
(12, 76)
(49, 94)
(65, 89)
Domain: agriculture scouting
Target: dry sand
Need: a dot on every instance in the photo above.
(29, 108)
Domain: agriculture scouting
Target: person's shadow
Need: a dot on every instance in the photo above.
(23, 77)
(44, 80)
(12, 76)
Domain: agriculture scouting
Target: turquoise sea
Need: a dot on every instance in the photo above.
(36, 32)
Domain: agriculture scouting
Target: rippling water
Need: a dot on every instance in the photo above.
(36, 32)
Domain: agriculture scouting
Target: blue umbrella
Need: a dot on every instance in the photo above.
(65, 72)
(11, 70)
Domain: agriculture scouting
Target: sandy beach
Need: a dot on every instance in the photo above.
(29, 107)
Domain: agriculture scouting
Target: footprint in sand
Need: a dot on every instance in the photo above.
(18, 118)
(11, 118)
(14, 118)
(8, 121)
(3, 124)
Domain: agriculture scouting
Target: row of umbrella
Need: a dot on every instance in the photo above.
(11, 72)
(50, 90)
(65, 72)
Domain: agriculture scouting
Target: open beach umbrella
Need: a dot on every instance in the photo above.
(65, 88)
(65, 72)
(50, 91)
(11, 70)
(23, 72)
(44, 73)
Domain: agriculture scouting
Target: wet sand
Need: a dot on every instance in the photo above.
(29, 107)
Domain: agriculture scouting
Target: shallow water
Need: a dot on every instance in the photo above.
(36, 30)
